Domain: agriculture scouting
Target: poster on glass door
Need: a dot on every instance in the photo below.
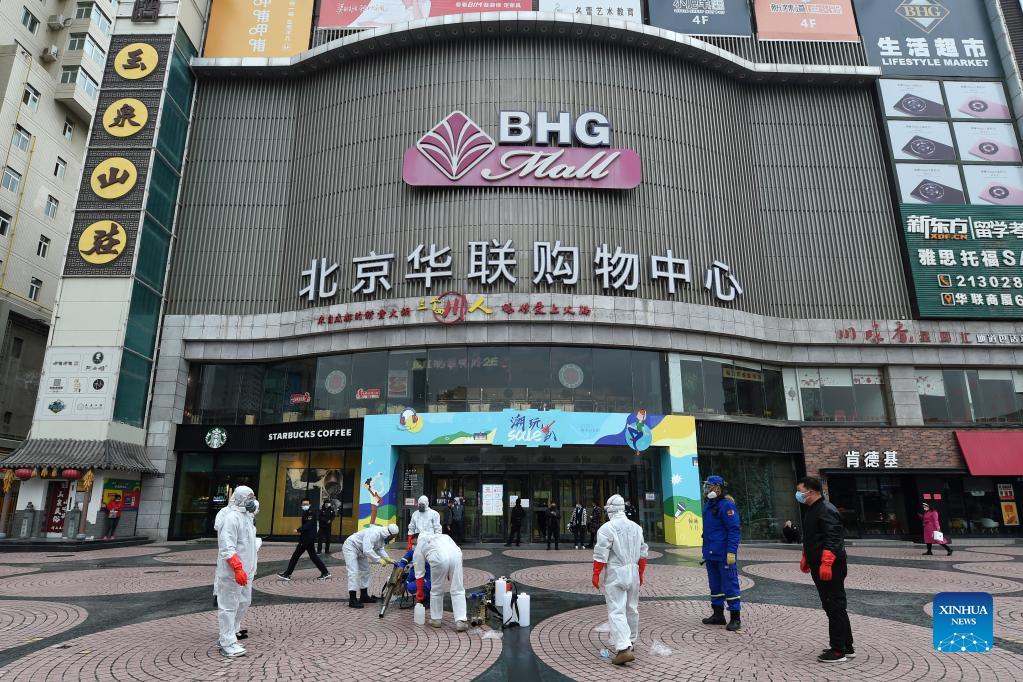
(493, 494)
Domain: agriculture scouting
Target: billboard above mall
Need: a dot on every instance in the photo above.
(260, 28)
(825, 20)
(376, 13)
(703, 18)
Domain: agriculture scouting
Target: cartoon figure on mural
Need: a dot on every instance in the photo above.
(375, 497)
(409, 420)
(638, 433)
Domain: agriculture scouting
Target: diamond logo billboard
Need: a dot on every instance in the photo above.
(924, 14)
(569, 152)
(963, 622)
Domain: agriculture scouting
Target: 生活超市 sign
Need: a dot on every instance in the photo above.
(966, 261)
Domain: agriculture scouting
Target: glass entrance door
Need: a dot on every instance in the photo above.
(448, 485)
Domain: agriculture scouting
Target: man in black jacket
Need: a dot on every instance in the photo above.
(326, 519)
(515, 523)
(306, 543)
(825, 560)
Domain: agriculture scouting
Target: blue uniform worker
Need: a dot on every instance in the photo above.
(410, 580)
(721, 536)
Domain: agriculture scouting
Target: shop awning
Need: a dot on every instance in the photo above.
(992, 453)
(81, 454)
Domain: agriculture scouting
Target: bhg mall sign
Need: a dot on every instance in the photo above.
(566, 152)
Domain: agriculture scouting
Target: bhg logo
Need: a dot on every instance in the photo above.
(963, 622)
(924, 14)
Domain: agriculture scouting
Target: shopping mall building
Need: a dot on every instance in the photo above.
(551, 257)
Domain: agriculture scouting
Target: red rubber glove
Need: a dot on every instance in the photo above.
(239, 573)
(597, 568)
(803, 566)
(410, 539)
(642, 568)
(827, 558)
(420, 593)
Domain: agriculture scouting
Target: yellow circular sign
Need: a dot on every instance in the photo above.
(114, 177)
(135, 61)
(102, 242)
(125, 117)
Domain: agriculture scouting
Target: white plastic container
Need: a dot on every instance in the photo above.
(419, 615)
(500, 588)
(509, 613)
(523, 604)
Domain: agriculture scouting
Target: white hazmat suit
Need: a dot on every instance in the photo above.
(236, 537)
(620, 545)
(424, 519)
(360, 547)
(445, 559)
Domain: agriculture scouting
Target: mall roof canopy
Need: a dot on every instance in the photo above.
(81, 454)
(992, 453)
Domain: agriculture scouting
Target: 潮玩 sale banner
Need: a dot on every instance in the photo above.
(806, 20)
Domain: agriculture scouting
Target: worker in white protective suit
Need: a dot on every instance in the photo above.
(218, 522)
(424, 519)
(621, 548)
(445, 559)
(236, 566)
(358, 549)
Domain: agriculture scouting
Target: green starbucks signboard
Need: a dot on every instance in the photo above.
(966, 261)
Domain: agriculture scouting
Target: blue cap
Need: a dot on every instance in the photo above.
(715, 480)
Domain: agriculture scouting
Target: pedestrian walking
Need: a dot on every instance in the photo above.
(458, 520)
(553, 525)
(721, 537)
(306, 543)
(578, 525)
(825, 560)
(932, 530)
(594, 522)
(324, 521)
(515, 523)
(620, 547)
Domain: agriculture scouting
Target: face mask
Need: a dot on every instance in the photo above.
(305, 507)
(422, 507)
(800, 497)
(250, 506)
(712, 495)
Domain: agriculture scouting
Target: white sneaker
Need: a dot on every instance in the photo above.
(435, 623)
(232, 651)
(461, 626)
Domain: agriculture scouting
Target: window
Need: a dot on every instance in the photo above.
(43, 247)
(33, 288)
(11, 180)
(959, 396)
(60, 168)
(84, 10)
(16, 347)
(51, 206)
(78, 76)
(841, 394)
(85, 43)
(5, 223)
(29, 21)
(31, 98)
(69, 129)
(22, 138)
(101, 20)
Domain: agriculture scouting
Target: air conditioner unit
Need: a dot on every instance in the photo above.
(51, 53)
(57, 22)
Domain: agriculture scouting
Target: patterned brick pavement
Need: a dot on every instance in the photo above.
(777, 643)
(1013, 570)
(1013, 551)
(89, 555)
(561, 554)
(103, 581)
(286, 642)
(747, 553)
(893, 579)
(659, 580)
(1008, 617)
(304, 582)
(208, 557)
(917, 554)
(22, 622)
(14, 570)
(394, 552)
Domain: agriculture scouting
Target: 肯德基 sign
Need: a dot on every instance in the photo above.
(568, 153)
(966, 261)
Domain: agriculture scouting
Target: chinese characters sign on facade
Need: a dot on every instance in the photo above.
(259, 28)
(872, 459)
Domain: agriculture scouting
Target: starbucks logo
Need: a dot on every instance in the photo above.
(216, 437)
(571, 375)
(335, 382)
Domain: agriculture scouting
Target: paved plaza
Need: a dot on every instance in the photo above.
(146, 613)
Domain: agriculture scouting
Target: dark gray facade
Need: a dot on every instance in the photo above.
(785, 182)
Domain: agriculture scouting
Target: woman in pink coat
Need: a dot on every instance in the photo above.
(931, 525)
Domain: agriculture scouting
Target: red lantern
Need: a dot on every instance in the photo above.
(71, 474)
(23, 474)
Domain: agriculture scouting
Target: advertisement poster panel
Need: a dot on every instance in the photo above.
(831, 20)
(493, 494)
(129, 490)
(702, 17)
(928, 38)
(376, 13)
(620, 10)
(260, 28)
(1010, 515)
(966, 260)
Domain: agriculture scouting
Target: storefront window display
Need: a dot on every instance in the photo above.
(721, 386)
(963, 396)
(841, 394)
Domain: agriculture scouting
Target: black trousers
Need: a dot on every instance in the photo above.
(515, 532)
(323, 541)
(579, 534)
(302, 548)
(112, 525)
(458, 531)
(593, 538)
(832, 594)
(552, 534)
